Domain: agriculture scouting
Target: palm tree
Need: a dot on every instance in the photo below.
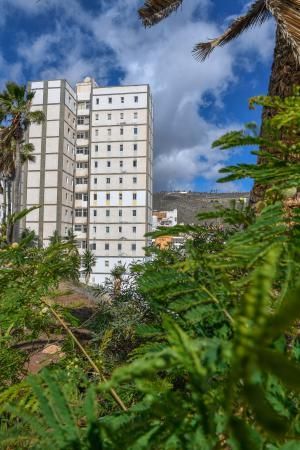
(117, 274)
(88, 261)
(55, 238)
(16, 114)
(286, 64)
(30, 238)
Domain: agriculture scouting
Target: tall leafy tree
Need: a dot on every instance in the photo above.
(286, 64)
(16, 116)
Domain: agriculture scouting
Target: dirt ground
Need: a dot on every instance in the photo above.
(48, 349)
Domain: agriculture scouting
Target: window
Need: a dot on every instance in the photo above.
(94, 229)
(134, 229)
(133, 247)
(134, 196)
(109, 116)
(67, 180)
(120, 196)
(134, 212)
(106, 246)
(121, 115)
(78, 196)
(83, 120)
(95, 212)
(121, 147)
(66, 212)
(97, 116)
(135, 115)
(121, 131)
(120, 212)
(81, 180)
(120, 229)
(107, 180)
(121, 163)
(134, 180)
(96, 148)
(93, 246)
(109, 148)
(134, 163)
(120, 180)
(84, 105)
(77, 227)
(95, 180)
(82, 135)
(84, 228)
(107, 229)
(97, 101)
(109, 99)
(96, 132)
(107, 213)
(106, 263)
(95, 196)
(136, 99)
(107, 196)
(122, 99)
(109, 131)
(82, 165)
(85, 197)
(96, 164)
(82, 212)
(135, 131)
(108, 164)
(119, 247)
(66, 196)
(68, 148)
(82, 150)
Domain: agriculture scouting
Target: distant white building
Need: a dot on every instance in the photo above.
(164, 218)
(93, 169)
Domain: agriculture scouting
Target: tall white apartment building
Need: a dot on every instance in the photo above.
(109, 172)
(49, 179)
(113, 187)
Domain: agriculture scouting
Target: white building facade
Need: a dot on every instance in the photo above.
(49, 179)
(95, 169)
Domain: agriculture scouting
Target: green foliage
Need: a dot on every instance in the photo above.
(215, 360)
(27, 276)
(88, 261)
(57, 426)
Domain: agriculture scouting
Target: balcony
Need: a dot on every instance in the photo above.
(81, 188)
(81, 157)
(81, 204)
(82, 172)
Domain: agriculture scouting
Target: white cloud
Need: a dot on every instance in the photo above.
(10, 72)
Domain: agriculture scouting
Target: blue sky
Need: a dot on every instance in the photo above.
(194, 102)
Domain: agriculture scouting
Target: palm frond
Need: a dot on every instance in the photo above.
(156, 10)
(287, 15)
(256, 15)
(27, 153)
